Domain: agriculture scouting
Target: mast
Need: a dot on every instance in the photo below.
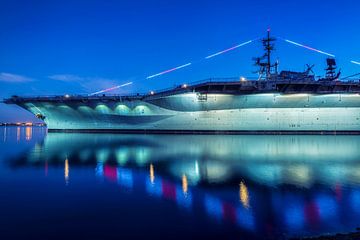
(331, 67)
(268, 48)
(331, 74)
(264, 62)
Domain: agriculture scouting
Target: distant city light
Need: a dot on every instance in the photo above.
(309, 48)
(152, 92)
(66, 95)
(168, 71)
(184, 85)
(242, 79)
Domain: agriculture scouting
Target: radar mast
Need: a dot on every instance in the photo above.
(264, 62)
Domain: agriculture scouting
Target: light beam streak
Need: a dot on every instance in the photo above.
(354, 62)
(167, 71)
(175, 68)
(111, 89)
(309, 48)
(229, 49)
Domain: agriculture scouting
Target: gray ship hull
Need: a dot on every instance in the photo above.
(203, 113)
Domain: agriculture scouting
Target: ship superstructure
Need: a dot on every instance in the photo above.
(284, 102)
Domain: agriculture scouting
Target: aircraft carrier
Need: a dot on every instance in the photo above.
(285, 102)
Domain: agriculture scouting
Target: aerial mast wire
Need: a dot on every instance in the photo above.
(354, 75)
(264, 62)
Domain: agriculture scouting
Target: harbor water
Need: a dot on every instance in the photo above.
(112, 186)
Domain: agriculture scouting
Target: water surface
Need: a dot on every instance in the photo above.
(112, 186)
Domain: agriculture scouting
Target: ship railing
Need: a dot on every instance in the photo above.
(221, 80)
(211, 80)
(67, 97)
(186, 86)
(165, 91)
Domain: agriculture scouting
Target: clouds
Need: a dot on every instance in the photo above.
(71, 82)
(66, 77)
(14, 78)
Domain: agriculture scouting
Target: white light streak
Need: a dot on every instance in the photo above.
(169, 70)
(229, 49)
(111, 89)
(309, 48)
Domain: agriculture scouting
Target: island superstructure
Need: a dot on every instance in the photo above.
(285, 102)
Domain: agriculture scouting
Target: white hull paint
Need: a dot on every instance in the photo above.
(219, 112)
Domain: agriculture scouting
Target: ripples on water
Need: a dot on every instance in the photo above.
(97, 186)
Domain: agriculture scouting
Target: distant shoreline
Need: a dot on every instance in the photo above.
(24, 124)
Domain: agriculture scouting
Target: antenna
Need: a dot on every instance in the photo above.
(331, 66)
(309, 69)
(268, 47)
(264, 62)
(330, 70)
(350, 76)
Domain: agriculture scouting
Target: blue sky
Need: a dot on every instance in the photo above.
(58, 47)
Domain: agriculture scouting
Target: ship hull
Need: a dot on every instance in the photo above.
(194, 113)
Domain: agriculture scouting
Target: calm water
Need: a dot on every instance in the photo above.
(100, 186)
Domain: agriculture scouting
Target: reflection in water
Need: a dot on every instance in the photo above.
(244, 195)
(46, 168)
(152, 175)
(169, 190)
(102, 155)
(17, 134)
(28, 133)
(184, 184)
(122, 156)
(287, 185)
(4, 138)
(66, 171)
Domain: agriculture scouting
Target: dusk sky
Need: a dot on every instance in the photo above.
(78, 47)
